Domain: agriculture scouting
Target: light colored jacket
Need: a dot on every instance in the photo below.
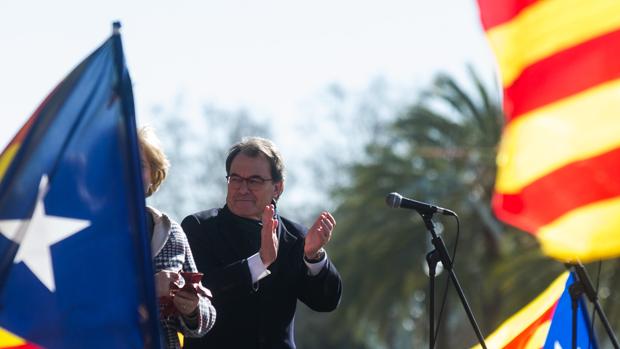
(170, 251)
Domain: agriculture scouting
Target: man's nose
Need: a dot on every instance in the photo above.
(244, 188)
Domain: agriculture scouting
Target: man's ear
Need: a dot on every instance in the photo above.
(279, 188)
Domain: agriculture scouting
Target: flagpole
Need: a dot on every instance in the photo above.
(440, 253)
(583, 285)
(148, 319)
(575, 292)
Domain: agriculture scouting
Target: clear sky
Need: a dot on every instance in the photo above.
(267, 56)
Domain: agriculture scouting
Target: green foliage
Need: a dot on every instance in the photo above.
(442, 149)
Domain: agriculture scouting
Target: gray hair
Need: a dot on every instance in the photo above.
(252, 147)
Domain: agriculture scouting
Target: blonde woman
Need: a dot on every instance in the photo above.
(194, 314)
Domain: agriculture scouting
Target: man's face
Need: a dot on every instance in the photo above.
(247, 200)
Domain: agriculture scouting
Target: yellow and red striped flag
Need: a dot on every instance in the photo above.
(546, 322)
(528, 328)
(559, 160)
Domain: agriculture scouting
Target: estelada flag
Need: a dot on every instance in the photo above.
(559, 158)
(546, 322)
(75, 271)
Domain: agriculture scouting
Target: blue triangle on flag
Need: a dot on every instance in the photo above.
(560, 333)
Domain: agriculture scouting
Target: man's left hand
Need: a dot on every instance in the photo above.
(319, 234)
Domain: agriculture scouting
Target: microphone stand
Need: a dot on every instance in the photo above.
(440, 254)
(583, 285)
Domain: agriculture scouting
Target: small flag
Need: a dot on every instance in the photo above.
(559, 158)
(546, 322)
(75, 271)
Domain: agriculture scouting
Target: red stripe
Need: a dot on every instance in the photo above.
(572, 186)
(21, 134)
(564, 74)
(496, 12)
(523, 338)
(23, 346)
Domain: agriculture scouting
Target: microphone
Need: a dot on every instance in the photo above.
(395, 200)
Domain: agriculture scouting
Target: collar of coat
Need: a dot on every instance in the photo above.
(161, 229)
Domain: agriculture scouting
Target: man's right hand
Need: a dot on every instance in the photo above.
(269, 236)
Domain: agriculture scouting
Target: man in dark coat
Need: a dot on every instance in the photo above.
(255, 262)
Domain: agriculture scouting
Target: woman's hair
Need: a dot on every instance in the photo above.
(154, 154)
(252, 147)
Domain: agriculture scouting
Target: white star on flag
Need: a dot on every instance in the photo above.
(36, 235)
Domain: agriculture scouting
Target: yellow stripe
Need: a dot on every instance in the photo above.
(7, 339)
(558, 134)
(587, 233)
(547, 27)
(517, 323)
(6, 158)
(539, 337)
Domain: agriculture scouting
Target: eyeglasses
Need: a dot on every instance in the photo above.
(253, 182)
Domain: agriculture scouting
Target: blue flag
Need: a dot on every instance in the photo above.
(75, 268)
(560, 332)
